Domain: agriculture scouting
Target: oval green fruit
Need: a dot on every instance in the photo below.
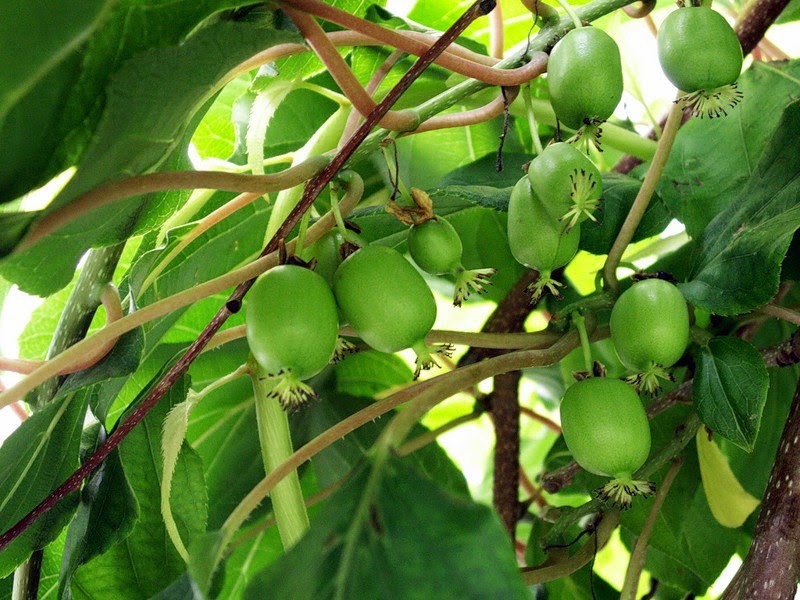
(384, 298)
(291, 321)
(605, 427)
(584, 76)
(650, 325)
(698, 49)
(536, 239)
(435, 246)
(567, 182)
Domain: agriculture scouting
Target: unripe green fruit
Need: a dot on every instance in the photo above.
(650, 324)
(566, 182)
(698, 49)
(291, 321)
(435, 247)
(537, 239)
(584, 76)
(326, 252)
(605, 427)
(384, 298)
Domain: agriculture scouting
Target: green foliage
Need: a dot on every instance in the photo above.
(730, 389)
(101, 91)
(391, 521)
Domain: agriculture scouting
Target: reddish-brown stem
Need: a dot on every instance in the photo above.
(372, 85)
(772, 566)
(17, 409)
(343, 76)
(639, 10)
(312, 190)
(113, 305)
(486, 112)
(412, 45)
(170, 180)
(496, 38)
(549, 423)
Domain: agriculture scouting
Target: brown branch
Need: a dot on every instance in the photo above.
(754, 21)
(772, 567)
(751, 26)
(412, 44)
(505, 416)
(234, 303)
(344, 77)
(783, 355)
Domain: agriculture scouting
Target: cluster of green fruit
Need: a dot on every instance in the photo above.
(294, 313)
(603, 419)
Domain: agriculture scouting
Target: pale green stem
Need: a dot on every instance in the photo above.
(642, 201)
(534, 127)
(614, 136)
(301, 234)
(580, 325)
(276, 446)
(576, 20)
(339, 99)
(636, 562)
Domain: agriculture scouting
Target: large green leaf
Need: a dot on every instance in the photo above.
(106, 514)
(146, 562)
(133, 138)
(40, 50)
(730, 389)
(404, 534)
(685, 533)
(740, 252)
(34, 460)
(702, 179)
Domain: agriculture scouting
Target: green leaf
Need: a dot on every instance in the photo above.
(406, 535)
(685, 533)
(106, 515)
(40, 50)
(34, 460)
(370, 372)
(702, 180)
(740, 252)
(339, 459)
(128, 570)
(728, 500)
(619, 192)
(132, 138)
(730, 389)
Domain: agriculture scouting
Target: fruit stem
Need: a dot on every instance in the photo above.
(301, 235)
(276, 446)
(580, 325)
(644, 196)
(639, 553)
(534, 127)
(576, 20)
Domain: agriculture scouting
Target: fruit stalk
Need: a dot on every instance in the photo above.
(276, 446)
(642, 200)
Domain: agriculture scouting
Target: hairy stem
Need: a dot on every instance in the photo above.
(276, 446)
(642, 200)
(639, 553)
